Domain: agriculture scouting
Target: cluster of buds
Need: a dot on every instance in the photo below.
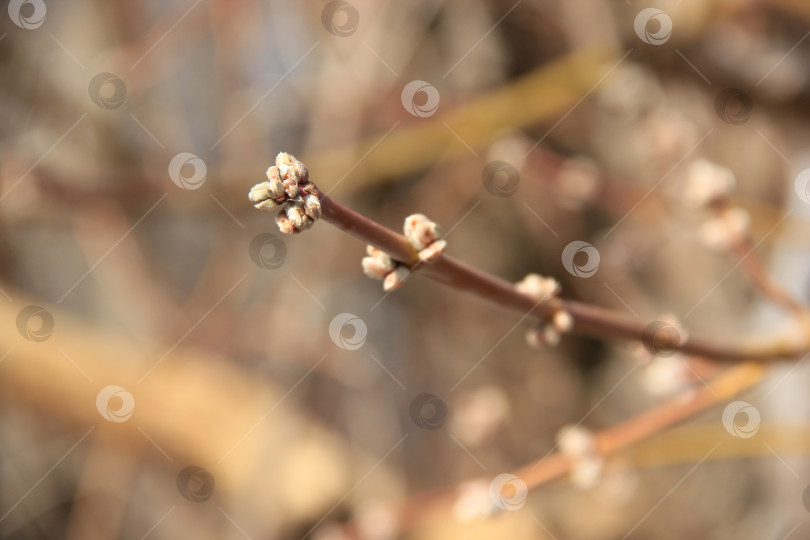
(709, 186)
(423, 234)
(578, 445)
(540, 288)
(288, 186)
(543, 289)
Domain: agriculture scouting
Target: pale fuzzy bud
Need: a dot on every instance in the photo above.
(543, 335)
(480, 414)
(538, 287)
(285, 225)
(586, 473)
(272, 173)
(376, 268)
(312, 206)
(378, 264)
(296, 214)
(291, 188)
(550, 336)
(576, 442)
(308, 223)
(371, 251)
(395, 278)
(664, 376)
(286, 166)
(303, 172)
(276, 188)
(432, 252)
(421, 231)
(619, 484)
(725, 230)
(291, 169)
(562, 321)
(381, 256)
(268, 204)
(532, 340)
(275, 183)
(578, 445)
(260, 192)
(707, 182)
(372, 268)
(284, 159)
(473, 501)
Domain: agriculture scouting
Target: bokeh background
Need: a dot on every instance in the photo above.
(177, 378)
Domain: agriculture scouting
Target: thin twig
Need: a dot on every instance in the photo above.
(756, 272)
(418, 510)
(589, 320)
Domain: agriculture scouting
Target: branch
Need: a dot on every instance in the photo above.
(418, 510)
(761, 279)
(289, 184)
(589, 320)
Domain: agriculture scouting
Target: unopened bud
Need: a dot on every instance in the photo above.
(562, 321)
(395, 278)
(312, 206)
(432, 252)
(421, 231)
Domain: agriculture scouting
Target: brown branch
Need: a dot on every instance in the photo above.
(589, 320)
(756, 272)
(419, 510)
(692, 402)
(742, 247)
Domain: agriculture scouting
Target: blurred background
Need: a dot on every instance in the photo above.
(172, 367)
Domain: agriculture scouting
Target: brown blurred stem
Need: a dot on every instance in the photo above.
(743, 249)
(693, 401)
(756, 272)
(588, 320)
(417, 511)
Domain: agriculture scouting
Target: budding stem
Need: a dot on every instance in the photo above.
(588, 320)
